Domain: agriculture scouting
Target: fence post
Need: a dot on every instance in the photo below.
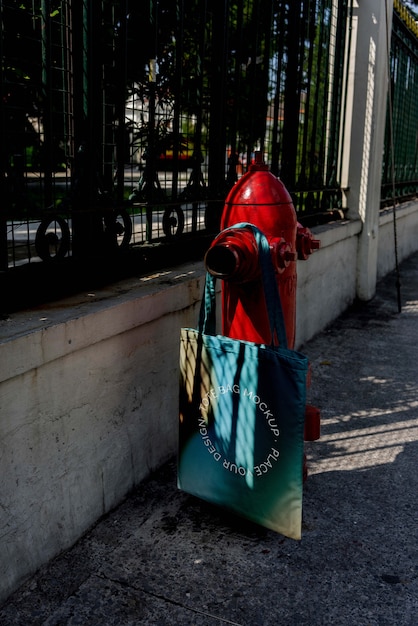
(365, 129)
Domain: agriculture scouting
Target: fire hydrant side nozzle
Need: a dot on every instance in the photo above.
(305, 243)
(233, 256)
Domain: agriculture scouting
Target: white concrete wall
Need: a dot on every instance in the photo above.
(327, 280)
(405, 229)
(88, 408)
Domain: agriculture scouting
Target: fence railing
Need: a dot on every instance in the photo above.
(400, 159)
(125, 125)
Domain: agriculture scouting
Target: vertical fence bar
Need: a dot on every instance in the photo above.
(3, 157)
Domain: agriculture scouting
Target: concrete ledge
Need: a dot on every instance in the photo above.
(331, 234)
(33, 338)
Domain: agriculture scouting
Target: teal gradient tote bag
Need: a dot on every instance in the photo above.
(241, 414)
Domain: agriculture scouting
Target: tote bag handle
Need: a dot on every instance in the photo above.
(207, 317)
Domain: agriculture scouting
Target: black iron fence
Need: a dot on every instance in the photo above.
(400, 166)
(124, 124)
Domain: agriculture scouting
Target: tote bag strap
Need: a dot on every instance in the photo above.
(207, 315)
(207, 318)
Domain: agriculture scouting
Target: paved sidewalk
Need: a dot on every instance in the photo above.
(164, 558)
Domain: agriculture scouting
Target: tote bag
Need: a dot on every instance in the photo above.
(241, 414)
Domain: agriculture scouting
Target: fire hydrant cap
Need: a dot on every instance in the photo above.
(258, 187)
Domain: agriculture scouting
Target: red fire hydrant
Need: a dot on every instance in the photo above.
(260, 199)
